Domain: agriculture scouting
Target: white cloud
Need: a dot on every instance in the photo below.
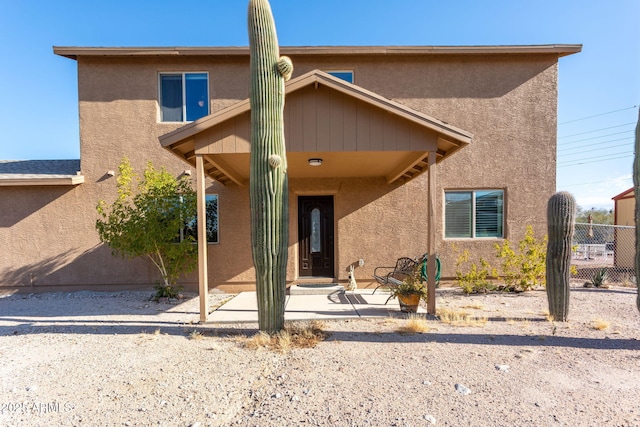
(599, 195)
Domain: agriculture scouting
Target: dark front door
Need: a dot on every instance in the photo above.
(315, 235)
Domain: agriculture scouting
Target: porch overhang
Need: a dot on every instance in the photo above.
(356, 133)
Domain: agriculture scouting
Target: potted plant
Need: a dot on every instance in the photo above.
(410, 291)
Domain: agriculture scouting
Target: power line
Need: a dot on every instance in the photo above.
(597, 143)
(578, 162)
(597, 115)
(596, 130)
(593, 149)
(603, 157)
(598, 182)
(594, 137)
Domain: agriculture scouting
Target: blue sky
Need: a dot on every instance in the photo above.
(39, 115)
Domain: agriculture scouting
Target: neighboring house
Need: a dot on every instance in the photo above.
(625, 238)
(624, 206)
(363, 124)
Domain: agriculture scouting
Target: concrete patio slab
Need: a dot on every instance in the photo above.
(243, 308)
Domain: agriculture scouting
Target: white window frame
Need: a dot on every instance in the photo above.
(353, 74)
(184, 94)
(474, 213)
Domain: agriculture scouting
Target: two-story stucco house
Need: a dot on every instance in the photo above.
(390, 150)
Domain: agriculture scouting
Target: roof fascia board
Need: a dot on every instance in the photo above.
(73, 52)
(626, 194)
(13, 182)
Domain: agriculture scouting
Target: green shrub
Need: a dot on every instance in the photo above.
(599, 277)
(475, 279)
(526, 268)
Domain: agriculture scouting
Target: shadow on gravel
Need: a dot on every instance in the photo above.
(87, 303)
(122, 328)
(499, 340)
(605, 290)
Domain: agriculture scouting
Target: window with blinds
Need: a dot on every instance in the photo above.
(474, 214)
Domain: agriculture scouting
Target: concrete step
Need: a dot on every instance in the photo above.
(316, 289)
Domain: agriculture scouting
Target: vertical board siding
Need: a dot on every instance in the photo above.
(350, 122)
(323, 120)
(309, 120)
(389, 131)
(229, 136)
(243, 133)
(337, 135)
(363, 120)
(294, 105)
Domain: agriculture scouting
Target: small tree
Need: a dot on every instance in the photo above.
(148, 218)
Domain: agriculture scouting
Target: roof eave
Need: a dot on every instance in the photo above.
(59, 181)
(626, 194)
(73, 52)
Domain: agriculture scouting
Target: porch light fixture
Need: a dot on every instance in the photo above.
(315, 162)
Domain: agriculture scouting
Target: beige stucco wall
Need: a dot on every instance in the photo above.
(508, 102)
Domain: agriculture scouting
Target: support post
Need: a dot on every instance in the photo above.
(431, 233)
(203, 278)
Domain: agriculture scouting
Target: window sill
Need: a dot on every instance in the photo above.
(473, 239)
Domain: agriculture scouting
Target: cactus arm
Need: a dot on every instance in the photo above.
(561, 211)
(636, 191)
(268, 175)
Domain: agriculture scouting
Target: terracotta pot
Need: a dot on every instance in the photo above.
(409, 303)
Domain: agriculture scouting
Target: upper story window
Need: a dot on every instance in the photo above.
(184, 97)
(474, 214)
(344, 75)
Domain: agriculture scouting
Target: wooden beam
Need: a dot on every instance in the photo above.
(227, 170)
(431, 233)
(405, 167)
(203, 277)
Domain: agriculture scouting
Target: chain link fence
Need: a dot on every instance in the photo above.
(611, 247)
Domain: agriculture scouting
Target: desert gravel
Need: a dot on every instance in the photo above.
(118, 359)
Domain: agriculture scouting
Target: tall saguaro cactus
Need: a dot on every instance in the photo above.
(561, 211)
(268, 177)
(636, 191)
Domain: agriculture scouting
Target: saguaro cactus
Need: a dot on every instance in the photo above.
(268, 176)
(636, 191)
(561, 211)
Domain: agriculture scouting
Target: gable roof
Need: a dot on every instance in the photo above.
(320, 77)
(200, 136)
(40, 172)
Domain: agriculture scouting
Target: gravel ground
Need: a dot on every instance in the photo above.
(117, 359)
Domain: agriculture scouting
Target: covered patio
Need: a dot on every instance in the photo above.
(333, 129)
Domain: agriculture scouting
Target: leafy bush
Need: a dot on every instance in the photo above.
(474, 280)
(524, 269)
(167, 291)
